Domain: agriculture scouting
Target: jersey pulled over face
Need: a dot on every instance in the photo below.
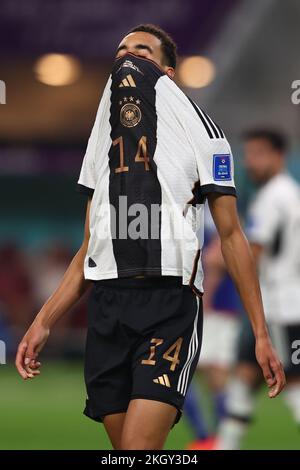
(152, 158)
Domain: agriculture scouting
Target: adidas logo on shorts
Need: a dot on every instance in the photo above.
(163, 380)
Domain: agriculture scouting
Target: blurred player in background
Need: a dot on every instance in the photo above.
(221, 308)
(273, 228)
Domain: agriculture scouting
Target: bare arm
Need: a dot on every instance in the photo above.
(71, 288)
(241, 266)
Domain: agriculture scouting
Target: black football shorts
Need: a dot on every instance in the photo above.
(143, 341)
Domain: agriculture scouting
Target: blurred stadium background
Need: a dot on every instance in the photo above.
(55, 56)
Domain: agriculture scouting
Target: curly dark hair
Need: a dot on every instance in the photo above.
(168, 46)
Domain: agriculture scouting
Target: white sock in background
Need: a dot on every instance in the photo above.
(230, 434)
(240, 404)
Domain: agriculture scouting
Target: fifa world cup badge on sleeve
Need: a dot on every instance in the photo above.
(222, 167)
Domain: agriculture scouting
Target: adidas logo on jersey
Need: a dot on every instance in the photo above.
(127, 81)
(91, 263)
(163, 380)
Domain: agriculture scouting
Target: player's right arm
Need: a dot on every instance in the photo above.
(71, 288)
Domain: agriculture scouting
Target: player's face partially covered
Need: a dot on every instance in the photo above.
(145, 45)
(262, 161)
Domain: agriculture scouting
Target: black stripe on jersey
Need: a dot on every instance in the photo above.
(217, 129)
(220, 130)
(213, 130)
(209, 123)
(202, 119)
(80, 188)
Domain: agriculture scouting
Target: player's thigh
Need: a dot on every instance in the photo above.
(114, 424)
(147, 424)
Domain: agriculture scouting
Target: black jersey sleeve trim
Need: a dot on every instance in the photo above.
(80, 188)
(216, 188)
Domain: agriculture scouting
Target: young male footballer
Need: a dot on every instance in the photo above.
(152, 159)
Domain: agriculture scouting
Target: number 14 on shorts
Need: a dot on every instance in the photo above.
(171, 355)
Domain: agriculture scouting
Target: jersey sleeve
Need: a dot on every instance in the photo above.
(212, 152)
(87, 178)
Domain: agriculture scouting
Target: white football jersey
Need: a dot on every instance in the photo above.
(274, 223)
(152, 158)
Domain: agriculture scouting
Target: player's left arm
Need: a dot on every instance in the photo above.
(241, 266)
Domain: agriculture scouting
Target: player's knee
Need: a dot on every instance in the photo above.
(134, 442)
(131, 444)
(145, 439)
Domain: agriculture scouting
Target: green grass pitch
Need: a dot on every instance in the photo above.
(46, 413)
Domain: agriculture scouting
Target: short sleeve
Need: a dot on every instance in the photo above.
(212, 152)
(87, 179)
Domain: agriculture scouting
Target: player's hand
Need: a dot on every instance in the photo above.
(271, 366)
(29, 349)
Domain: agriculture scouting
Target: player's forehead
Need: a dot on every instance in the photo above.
(141, 37)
